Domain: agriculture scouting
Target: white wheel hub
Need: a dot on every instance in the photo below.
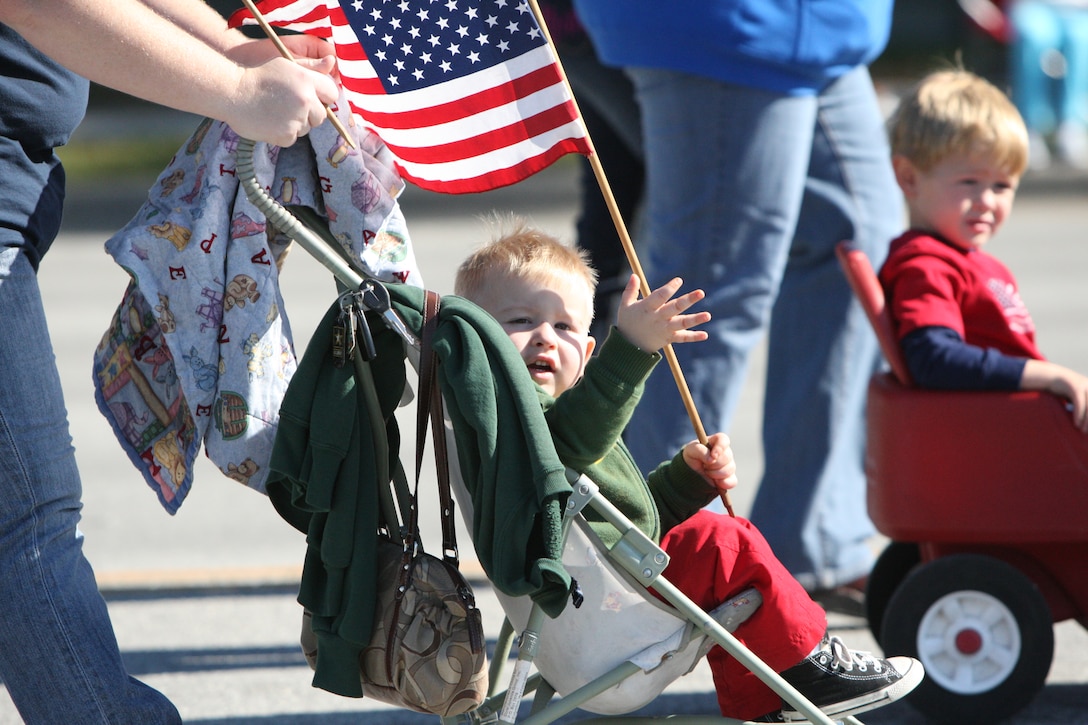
(969, 642)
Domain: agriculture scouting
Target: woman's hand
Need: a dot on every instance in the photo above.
(304, 48)
(279, 101)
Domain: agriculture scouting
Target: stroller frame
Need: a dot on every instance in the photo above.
(635, 553)
(645, 561)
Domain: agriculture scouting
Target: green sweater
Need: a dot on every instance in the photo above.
(328, 462)
(586, 423)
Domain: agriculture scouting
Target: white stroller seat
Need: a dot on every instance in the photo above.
(630, 623)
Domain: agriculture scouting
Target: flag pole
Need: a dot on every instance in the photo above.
(629, 248)
(267, 28)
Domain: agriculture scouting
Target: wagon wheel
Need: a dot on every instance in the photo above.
(983, 632)
(889, 571)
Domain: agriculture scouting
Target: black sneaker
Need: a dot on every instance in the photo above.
(841, 682)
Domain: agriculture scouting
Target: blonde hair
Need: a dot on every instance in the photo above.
(520, 251)
(957, 112)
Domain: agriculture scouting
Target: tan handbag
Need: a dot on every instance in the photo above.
(427, 649)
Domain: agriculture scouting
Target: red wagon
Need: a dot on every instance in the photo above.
(983, 495)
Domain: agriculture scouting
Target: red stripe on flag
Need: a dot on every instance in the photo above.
(499, 177)
(350, 51)
(363, 87)
(469, 105)
(487, 141)
(268, 6)
(271, 7)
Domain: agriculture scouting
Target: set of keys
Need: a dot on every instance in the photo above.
(351, 329)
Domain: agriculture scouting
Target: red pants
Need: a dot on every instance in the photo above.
(714, 557)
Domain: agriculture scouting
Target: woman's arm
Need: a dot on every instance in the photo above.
(204, 23)
(175, 53)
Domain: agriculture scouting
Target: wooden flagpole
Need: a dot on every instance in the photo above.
(629, 249)
(275, 38)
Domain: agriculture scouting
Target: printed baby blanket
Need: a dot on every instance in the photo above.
(200, 349)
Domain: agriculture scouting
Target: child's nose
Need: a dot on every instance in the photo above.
(544, 334)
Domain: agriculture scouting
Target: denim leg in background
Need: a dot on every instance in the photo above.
(1073, 103)
(1041, 29)
(58, 655)
(1037, 30)
(822, 352)
(1048, 72)
(748, 193)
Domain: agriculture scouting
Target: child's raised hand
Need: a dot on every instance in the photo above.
(713, 461)
(652, 322)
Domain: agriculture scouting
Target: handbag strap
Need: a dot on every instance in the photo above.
(429, 409)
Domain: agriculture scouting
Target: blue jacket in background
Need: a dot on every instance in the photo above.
(795, 47)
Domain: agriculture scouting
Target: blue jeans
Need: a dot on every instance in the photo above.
(748, 194)
(1040, 28)
(58, 654)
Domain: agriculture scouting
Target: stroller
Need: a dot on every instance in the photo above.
(649, 643)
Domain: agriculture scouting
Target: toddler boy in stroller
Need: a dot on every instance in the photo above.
(541, 293)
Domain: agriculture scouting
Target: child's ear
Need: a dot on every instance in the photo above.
(906, 174)
(591, 343)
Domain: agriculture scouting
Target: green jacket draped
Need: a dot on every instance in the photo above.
(328, 463)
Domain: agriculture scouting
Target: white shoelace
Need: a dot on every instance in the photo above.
(845, 658)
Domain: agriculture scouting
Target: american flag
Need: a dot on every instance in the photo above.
(466, 94)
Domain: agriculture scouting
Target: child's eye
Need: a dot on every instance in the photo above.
(564, 326)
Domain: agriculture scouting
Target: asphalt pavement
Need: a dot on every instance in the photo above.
(203, 602)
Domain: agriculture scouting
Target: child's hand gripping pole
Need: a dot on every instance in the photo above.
(689, 405)
(267, 28)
